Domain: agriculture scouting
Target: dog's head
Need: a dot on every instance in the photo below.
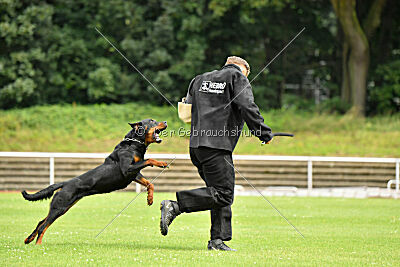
(147, 131)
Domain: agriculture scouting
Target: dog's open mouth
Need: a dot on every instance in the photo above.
(156, 134)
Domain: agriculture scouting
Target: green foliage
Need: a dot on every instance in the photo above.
(293, 102)
(385, 94)
(22, 28)
(101, 81)
(269, 98)
(334, 105)
(52, 54)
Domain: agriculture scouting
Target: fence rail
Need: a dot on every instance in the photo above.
(300, 171)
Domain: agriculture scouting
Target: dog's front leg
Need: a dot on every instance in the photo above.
(153, 162)
(129, 166)
(150, 187)
(137, 166)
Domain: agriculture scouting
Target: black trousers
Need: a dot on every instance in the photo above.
(215, 168)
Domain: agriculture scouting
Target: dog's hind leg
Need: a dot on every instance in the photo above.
(32, 236)
(60, 204)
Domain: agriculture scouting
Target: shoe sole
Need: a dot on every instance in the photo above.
(163, 225)
(215, 249)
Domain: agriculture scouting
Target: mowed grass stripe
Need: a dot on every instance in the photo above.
(339, 232)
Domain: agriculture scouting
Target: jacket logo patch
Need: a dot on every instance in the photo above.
(212, 87)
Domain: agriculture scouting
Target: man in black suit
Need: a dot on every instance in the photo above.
(222, 100)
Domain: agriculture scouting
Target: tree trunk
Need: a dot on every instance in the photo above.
(373, 19)
(345, 87)
(356, 49)
(358, 71)
(358, 57)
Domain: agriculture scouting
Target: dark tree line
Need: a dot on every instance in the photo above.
(51, 53)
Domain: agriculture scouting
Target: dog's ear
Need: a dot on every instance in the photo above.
(136, 125)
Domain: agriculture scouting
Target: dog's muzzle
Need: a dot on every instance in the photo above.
(156, 134)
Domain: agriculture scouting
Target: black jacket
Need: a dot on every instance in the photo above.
(216, 122)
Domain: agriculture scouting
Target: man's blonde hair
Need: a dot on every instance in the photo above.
(238, 60)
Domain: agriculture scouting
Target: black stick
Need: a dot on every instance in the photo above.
(279, 134)
(283, 134)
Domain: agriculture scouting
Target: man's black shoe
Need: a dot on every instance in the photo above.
(218, 244)
(169, 211)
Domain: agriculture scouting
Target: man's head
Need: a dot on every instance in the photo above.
(240, 62)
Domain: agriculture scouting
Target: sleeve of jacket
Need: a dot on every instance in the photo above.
(243, 97)
(190, 92)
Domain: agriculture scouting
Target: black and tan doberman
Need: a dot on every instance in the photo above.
(119, 169)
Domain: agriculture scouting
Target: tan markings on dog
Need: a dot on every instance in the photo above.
(149, 136)
(136, 158)
(39, 241)
(150, 162)
(70, 206)
(30, 238)
(153, 162)
(150, 189)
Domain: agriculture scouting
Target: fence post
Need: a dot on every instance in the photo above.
(137, 188)
(309, 175)
(51, 170)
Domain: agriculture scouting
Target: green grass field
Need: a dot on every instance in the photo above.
(339, 232)
(98, 128)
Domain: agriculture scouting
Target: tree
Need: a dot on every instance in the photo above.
(356, 49)
(51, 53)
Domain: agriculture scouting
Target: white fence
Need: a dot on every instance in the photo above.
(308, 159)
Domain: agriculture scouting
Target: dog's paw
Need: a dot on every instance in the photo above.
(150, 190)
(149, 200)
(162, 164)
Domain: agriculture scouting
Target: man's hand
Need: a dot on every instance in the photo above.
(266, 143)
(272, 135)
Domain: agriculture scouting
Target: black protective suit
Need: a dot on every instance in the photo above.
(222, 100)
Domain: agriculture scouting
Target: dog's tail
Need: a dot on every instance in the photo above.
(42, 194)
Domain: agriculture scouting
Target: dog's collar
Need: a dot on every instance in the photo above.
(133, 140)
